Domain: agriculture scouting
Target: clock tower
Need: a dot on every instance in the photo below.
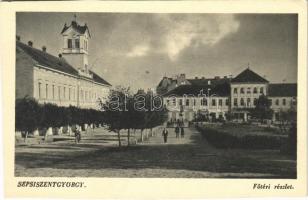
(76, 45)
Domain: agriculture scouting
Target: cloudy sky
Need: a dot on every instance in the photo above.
(137, 50)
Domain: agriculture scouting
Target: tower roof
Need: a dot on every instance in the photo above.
(249, 76)
(74, 25)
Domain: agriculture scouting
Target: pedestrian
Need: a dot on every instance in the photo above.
(182, 132)
(165, 135)
(177, 131)
(77, 136)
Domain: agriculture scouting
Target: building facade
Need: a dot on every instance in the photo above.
(63, 80)
(216, 97)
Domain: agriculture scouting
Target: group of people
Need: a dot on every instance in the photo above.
(179, 131)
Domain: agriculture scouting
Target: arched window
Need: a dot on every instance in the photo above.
(242, 90)
(235, 91)
(277, 102)
(261, 90)
(187, 102)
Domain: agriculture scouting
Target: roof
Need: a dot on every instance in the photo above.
(249, 76)
(46, 59)
(218, 89)
(99, 79)
(77, 27)
(53, 62)
(282, 90)
(207, 81)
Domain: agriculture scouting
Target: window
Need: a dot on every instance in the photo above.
(46, 91)
(187, 102)
(248, 90)
(235, 102)
(53, 91)
(254, 101)
(242, 102)
(194, 102)
(248, 101)
(277, 102)
(227, 102)
(235, 91)
(168, 102)
(40, 90)
(242, 90)
(77, 45)
(181, 102)
(174, 101)
(220, 102)
(59, 92)
(69, 43)
(284, 102)
(261, 90)
(204, 102)
(69, 93)
(64, 92)
(255, 90)
(270, 102)
(213, 102)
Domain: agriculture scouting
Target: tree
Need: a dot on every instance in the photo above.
(262, 109)
(116, 109)
(26, 115)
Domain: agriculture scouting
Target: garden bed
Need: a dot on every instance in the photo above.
(241, 136)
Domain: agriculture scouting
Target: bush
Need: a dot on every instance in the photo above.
(221, 139)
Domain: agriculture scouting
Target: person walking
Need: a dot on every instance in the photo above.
(182, 132)
(165, 135)
(177, 131)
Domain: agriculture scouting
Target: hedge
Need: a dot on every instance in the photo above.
(221, 139)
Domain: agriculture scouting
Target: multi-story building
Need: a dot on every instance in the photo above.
(217, 96)
(63, 80)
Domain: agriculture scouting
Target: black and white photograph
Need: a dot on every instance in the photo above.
(156, 95)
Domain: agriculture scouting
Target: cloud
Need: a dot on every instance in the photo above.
(195, 30)
(139, 50)
(139, 35)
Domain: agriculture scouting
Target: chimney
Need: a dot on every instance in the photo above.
(17, 37)
(44, 48)
(30, 43)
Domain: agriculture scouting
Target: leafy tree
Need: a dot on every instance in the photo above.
(26, 115)
(262, 109)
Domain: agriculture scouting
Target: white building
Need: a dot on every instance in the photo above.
(216, 97)
(62, 80)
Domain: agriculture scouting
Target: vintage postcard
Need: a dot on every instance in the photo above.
(155, 99)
